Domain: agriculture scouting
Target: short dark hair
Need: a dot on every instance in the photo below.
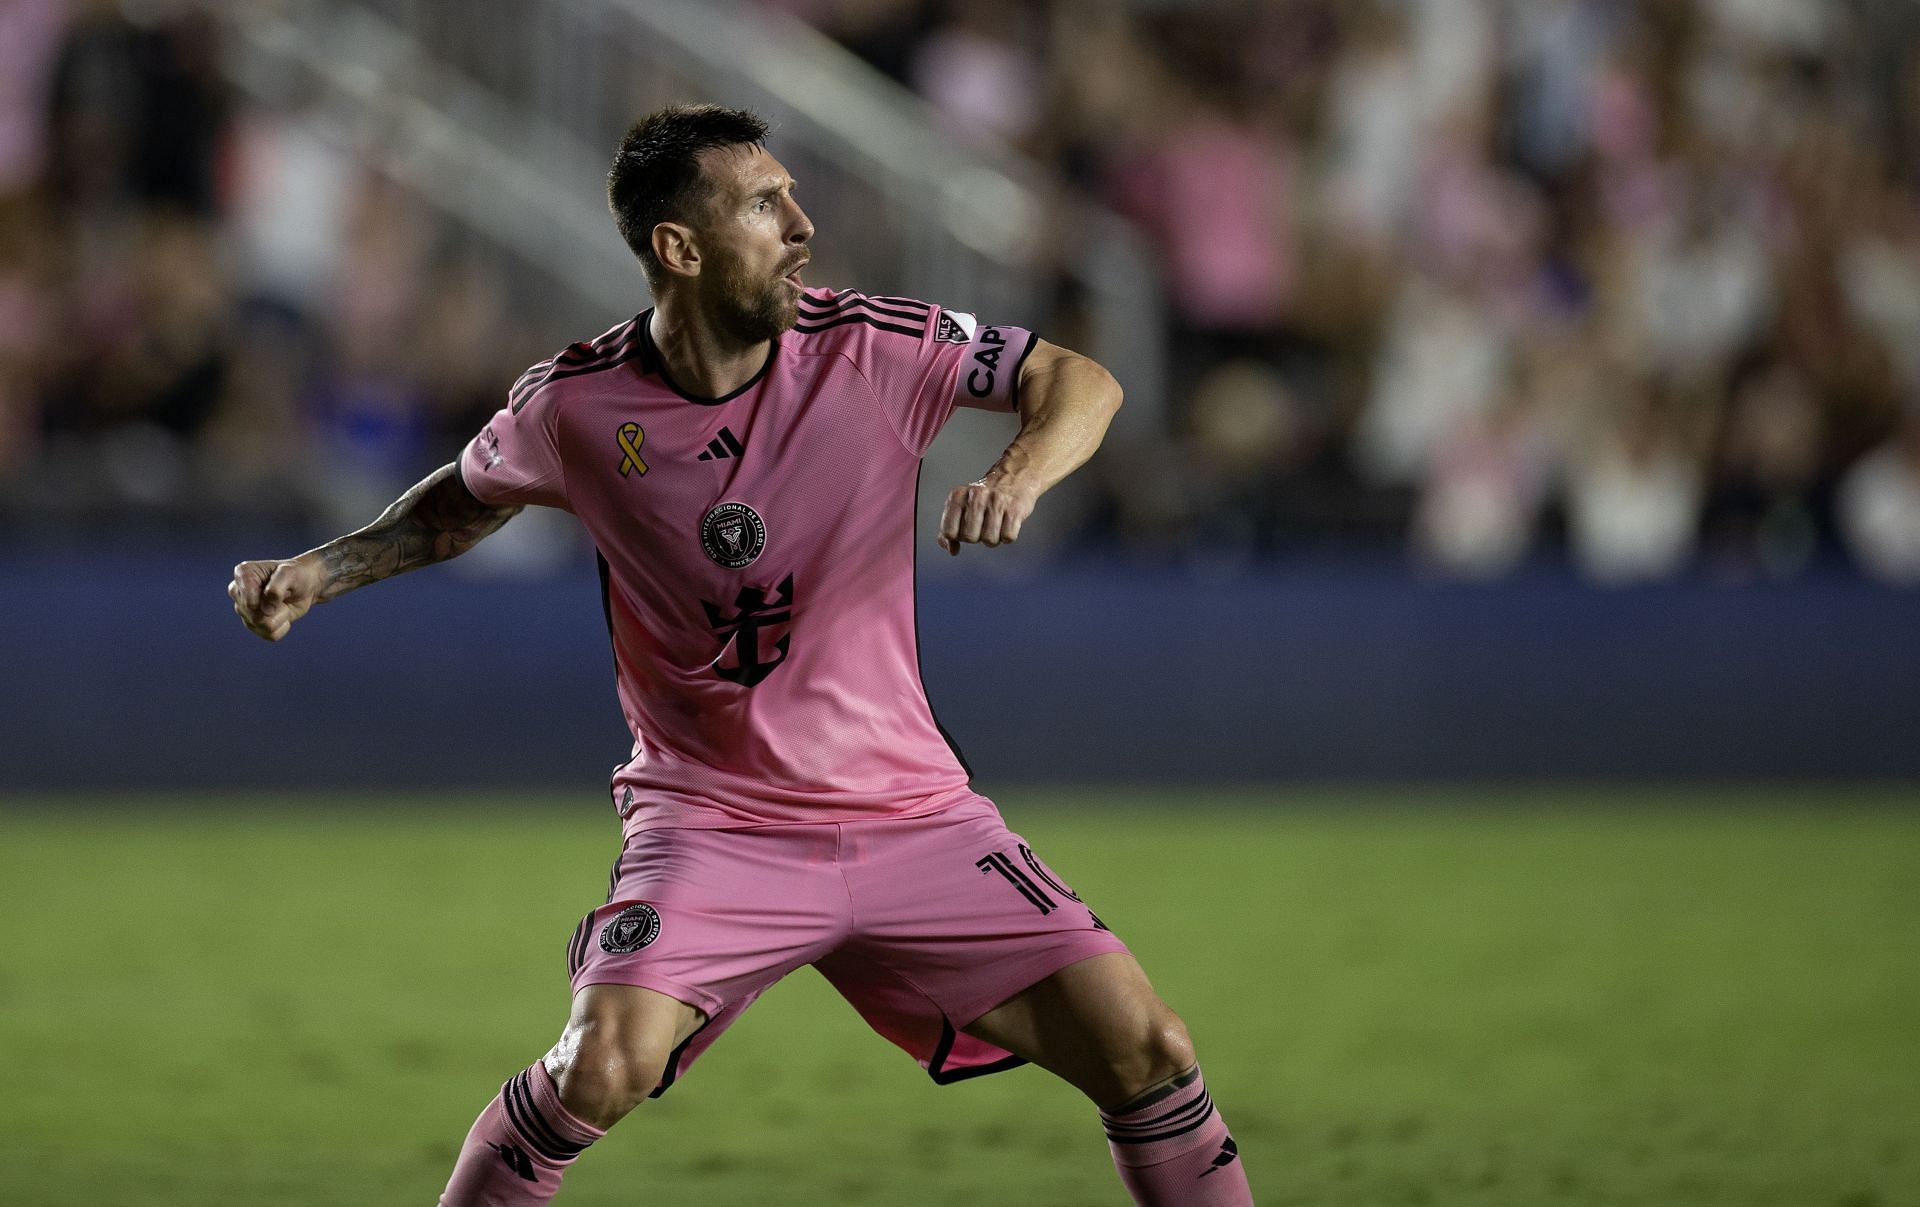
(656, 176)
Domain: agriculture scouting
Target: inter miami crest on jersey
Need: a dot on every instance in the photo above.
(733, 535)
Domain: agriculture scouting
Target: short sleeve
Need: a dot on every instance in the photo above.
(515, 460)
(951, 358)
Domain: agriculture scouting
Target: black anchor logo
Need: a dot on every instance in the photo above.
(753, 611)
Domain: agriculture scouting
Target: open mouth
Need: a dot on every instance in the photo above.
(793, 278)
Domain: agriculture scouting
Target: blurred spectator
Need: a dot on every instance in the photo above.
(1768, 511)
(1487, 486)
(1633, 494)
(1880, 507)
(137, 111)
(1441, 357)
(290, 196)
(31, 32)
(883, 32)
(1440, 272)
(1213, 193)
(27, 321)
(980, 73)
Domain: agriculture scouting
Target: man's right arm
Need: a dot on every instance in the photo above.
(438, 519)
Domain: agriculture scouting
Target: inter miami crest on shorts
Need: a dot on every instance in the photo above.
(629, 930)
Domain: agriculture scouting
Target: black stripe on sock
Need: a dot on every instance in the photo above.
(1159, 1093)
(549, 1132)
(510, 1102)
(1160, 1119)
(1169, 1134)
(533, 1126)
(1166, 1119)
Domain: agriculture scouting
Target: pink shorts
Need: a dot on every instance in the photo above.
(922, 923)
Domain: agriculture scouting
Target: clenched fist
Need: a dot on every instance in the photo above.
(269, 596)
(988, 512)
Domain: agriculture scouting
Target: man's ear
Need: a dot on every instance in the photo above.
(676, 248)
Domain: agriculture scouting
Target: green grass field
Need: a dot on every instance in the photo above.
(1529, 999)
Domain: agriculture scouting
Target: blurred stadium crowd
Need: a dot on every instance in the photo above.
(1636, 282)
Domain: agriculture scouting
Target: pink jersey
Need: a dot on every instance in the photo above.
(757, 553)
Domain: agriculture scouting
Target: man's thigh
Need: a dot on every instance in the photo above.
(953, 915)
(1097, 1024)
(625, 1018)
(707, 919)
(705, 916)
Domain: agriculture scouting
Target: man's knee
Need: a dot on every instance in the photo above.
(615, 1048)
(1161, 1051)
(603, 1070)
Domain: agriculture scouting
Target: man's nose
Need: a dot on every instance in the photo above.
(800, 228)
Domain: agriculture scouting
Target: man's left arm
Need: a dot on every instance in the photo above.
(1066, 402)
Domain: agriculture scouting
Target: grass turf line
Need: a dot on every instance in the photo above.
(1642, 1004)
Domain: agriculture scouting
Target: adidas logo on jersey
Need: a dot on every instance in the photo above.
(723, 446)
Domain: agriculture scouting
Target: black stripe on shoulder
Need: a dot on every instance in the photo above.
(849, 305)
(616, 335)
(606, 349)
(573, 364)
(841, 297)
(809, 328)
(530, 375)
(578, 353)
(910, 303)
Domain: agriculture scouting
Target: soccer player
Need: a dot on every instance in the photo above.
(744, 455)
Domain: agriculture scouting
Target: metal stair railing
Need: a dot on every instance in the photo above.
(505, 111)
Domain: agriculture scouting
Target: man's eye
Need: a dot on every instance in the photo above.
(761, 204)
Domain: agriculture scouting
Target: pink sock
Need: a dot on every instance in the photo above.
(1173, 1150)
(519, 1147)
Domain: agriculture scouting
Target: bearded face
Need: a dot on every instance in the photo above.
(748, 300)
(748, 246)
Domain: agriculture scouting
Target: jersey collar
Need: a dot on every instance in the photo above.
(651, 362)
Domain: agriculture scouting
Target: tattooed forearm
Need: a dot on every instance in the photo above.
(432, 522)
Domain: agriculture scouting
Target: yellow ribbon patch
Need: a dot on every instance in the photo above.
(631, 438)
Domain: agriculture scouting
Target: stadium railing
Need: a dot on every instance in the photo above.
(503, 114)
